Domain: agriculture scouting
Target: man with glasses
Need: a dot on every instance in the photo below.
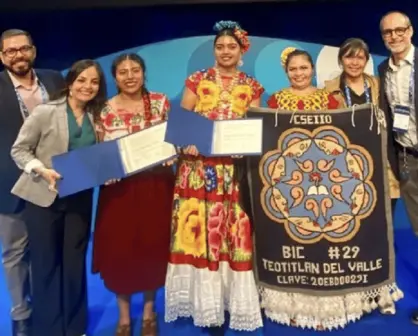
(399, 84)
(21, 89)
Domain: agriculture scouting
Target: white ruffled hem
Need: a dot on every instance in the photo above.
(205, 295)
(329, 312)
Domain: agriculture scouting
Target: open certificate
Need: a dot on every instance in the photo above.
(214, 137)
(237, 137)
(145, 149)
(92, 166)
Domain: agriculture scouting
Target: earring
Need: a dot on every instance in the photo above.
(70, 93)
(240, 63)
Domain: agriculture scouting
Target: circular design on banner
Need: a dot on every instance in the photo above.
(318, 185)
(327, 66)
(268, 66)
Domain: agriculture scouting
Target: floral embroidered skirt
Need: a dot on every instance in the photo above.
(210, 265)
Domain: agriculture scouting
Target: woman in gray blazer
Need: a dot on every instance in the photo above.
(59, 228)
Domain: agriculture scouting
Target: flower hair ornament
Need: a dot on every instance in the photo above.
(285, 55)
(239, 33)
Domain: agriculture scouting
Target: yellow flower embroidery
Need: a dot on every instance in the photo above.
(197, 176)
(191, 233)
(241, 96)
(208, 96)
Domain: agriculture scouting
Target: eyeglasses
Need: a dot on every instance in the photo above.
(399, 31)
(12, 52)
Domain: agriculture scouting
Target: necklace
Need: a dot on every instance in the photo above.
(348, 94)
(225, 95)
(132, 105)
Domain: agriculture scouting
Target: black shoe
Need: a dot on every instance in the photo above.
(21, 328)
(414, 318)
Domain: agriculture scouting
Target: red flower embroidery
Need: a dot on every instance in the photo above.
(184, 175)
(243, 96)
(215, 243)
(108, 121)
(244, 233)
(135, 128)
(213, 115)
(206, 91)
(315, 177)
(217, 229)
(240, 235)
(127, 118)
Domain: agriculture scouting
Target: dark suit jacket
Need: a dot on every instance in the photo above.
(384, 105)
(11, 120)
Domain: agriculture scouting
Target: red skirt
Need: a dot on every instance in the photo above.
(132, 235)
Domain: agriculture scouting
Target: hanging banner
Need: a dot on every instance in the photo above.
(320, 211)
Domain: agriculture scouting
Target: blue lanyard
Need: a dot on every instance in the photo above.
(411, 87)
(348, 94)
(22, 105)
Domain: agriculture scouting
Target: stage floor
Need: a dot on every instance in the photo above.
(104, 314)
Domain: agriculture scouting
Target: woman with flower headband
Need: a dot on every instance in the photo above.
(210, 267)
(302, 95)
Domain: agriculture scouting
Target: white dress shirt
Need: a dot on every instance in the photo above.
(398, 82)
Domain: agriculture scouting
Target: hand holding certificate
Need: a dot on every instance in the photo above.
(239, 137)
(93, 166)
(145, 149)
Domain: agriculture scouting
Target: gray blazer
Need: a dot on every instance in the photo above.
(43, 135)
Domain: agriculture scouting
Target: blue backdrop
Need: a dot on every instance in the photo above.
(65, 36)
(176, 41)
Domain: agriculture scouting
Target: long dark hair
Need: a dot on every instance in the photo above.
(137, 59)
(95, 105)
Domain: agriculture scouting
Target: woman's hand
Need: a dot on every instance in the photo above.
(191, 150)
(170, 162)
(111, 181)
(51, 176)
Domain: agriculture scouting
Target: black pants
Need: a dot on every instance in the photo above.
(58, 239)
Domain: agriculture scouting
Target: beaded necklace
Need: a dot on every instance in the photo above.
(225, 95)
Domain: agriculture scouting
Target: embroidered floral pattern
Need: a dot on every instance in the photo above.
(317, 101)
(211, 179)
(203, 83)
(118, 122)
(210, 230)
(191, 233)
(206, 194)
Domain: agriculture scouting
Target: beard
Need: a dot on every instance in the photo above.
(20, 71)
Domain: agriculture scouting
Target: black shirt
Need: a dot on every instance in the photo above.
(355, 98)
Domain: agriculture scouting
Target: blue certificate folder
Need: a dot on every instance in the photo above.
(186, 128)
(92, 166)
(88, 167)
